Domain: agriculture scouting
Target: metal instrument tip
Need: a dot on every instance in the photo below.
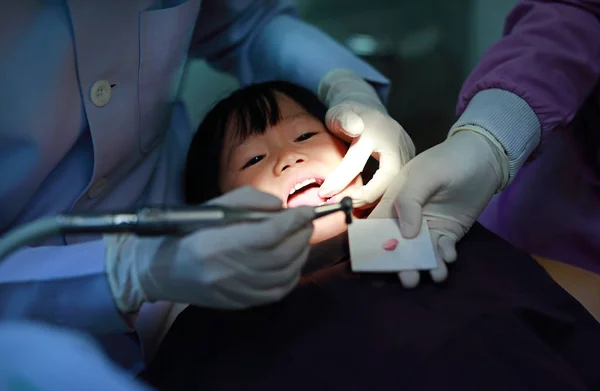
(345, 206)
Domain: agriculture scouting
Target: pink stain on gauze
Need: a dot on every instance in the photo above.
(390, 244)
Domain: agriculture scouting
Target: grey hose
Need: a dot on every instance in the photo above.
(25, 235)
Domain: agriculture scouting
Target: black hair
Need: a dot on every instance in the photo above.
(248, 111)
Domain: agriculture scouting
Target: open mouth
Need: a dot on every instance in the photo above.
(306, 193)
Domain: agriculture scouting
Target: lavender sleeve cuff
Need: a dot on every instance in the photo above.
(508, 118)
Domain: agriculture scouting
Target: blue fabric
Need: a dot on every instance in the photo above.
(60, 152)
(45, 358)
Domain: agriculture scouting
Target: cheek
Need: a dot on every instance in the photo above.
(332, 150)
(252, 177)
(340, 147)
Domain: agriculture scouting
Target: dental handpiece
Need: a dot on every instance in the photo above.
(161, 221)
(146, 222)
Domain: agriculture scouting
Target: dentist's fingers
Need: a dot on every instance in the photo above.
(351, 166)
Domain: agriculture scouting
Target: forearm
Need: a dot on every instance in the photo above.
(536, 77)
(65, 285)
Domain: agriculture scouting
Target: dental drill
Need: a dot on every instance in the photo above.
(149, 221)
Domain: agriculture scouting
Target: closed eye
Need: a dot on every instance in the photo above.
(253, 161)
(305, 136)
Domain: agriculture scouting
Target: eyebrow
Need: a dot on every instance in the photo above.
(240, 140)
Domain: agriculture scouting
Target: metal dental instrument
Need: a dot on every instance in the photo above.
(146, 222)
(345, 205)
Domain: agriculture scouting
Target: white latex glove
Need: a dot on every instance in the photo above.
(231, 267)
(449, 185)
(356, 114)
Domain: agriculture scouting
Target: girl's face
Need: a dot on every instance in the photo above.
(290, 160)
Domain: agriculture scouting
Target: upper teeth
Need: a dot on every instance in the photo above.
(302, 184)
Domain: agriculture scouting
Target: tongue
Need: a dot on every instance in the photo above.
(309, 197)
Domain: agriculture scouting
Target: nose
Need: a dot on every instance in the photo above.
(288, 159)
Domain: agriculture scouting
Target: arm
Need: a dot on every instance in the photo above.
(536, 77)
(264, 40)
(64, 285)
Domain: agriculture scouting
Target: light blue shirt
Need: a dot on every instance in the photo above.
(65, 146)
(45, 358)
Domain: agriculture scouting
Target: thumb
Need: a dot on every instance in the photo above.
(414, 192)
(343, 121)
(410, 216)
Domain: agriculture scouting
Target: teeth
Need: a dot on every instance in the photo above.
(302, 184)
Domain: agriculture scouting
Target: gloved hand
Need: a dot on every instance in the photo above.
(449, 185)
(356, 114)
(231, 267)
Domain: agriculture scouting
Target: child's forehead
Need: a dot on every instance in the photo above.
(290, 114)
(289, 107)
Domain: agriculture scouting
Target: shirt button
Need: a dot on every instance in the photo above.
(100, 93)
(97, 188)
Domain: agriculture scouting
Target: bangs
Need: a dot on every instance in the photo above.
(253, 112)
(247, 112)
